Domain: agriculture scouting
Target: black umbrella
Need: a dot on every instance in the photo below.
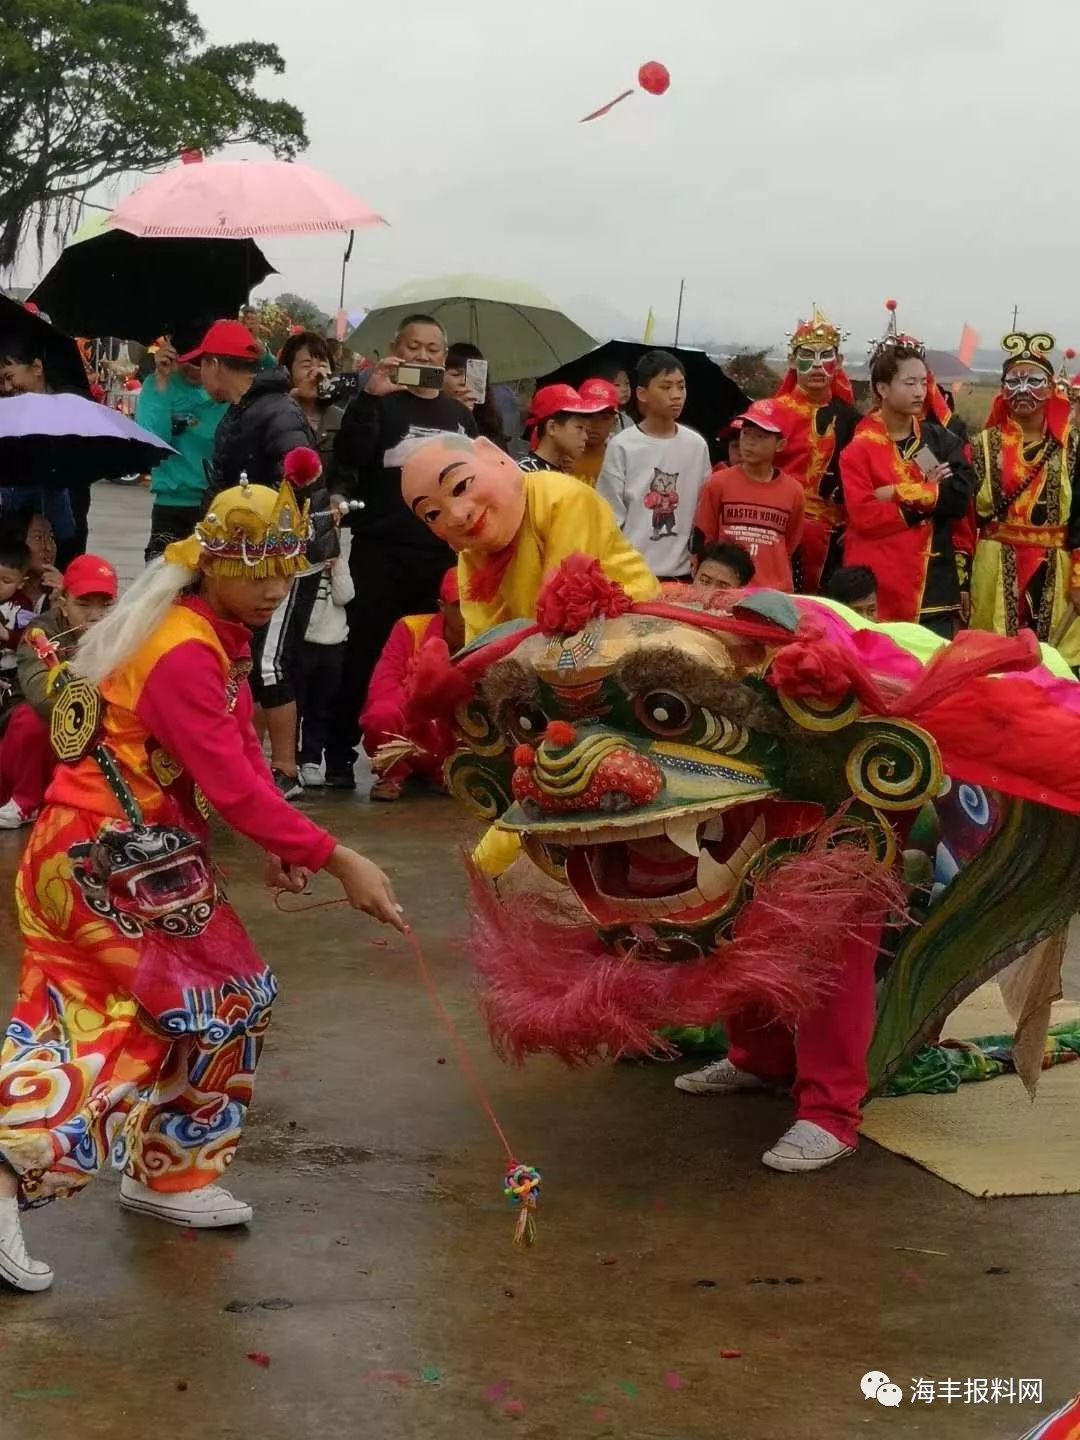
(108, 282)
(23, 330)
(712, 397)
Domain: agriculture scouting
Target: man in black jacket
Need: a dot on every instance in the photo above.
(397, 564)
(262, 424)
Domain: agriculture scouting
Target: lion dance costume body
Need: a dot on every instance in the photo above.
(756, 801)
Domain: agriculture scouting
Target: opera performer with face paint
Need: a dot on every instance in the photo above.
(1026, 573)
(820, 418)
(511, 530)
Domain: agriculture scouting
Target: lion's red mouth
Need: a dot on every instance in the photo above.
(687, 870)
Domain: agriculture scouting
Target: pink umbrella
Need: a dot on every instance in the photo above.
(239, 199)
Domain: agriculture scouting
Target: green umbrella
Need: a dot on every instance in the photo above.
(516, 326)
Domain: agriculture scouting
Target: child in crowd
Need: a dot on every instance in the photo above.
(755, 503)
(616, 373)
(856, 587)
(653, 472)
(724, 566)
(599, 428)
(15, 614)
(383, 716)
(556, 429)
(320, 660)
(26, 757)
(42, 579)
(728, 438)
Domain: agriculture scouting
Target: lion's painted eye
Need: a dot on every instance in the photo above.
(665, 712)
(528, 723)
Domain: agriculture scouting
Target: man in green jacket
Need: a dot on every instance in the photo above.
(173, 405)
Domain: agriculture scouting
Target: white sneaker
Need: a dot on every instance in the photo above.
(16, 1267)
(805, 1146)
(210, 1208)
(311, 776)
(12, 818)
(719, 1077)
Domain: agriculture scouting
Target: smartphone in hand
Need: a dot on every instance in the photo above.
(476, 379)
(926, 460)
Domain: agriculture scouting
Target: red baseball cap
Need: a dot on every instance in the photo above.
(560, 399)
(225, 337)
(600, 392)
(764, 415)
(90, 575)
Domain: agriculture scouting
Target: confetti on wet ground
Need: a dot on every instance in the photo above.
(257, 1357)
(496, 1391)
(674, 1381)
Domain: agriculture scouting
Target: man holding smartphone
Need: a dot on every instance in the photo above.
(397, 564)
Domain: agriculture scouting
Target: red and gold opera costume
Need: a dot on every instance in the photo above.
(1027, 504)
(142, 1004)
(817, 427)
(917, 543)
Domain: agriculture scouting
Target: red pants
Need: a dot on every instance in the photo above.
(27, 760)
(827, 1054)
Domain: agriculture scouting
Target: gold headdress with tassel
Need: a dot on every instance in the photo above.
(249, 532)
(817, 333)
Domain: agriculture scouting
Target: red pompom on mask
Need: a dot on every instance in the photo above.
(578, 592)
(302, 467)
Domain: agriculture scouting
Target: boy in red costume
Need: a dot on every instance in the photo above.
(383, 717)
(908, 485)
(818, 406)
(142, 1003)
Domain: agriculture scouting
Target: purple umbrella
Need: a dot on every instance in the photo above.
(59, 440)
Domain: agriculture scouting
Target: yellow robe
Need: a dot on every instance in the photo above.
(562, 517)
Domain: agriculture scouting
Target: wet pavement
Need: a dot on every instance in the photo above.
(678, 1291)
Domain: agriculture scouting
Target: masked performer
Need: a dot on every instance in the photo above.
(907, 487)
(820, 418)
(142, 1004)
(1027, 561)
(512, 529)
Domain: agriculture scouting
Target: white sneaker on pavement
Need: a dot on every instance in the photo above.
(311, 776)
(805, 1146)
(211, 1208)
(12, 818)
(719, 1077)
(16, 1267)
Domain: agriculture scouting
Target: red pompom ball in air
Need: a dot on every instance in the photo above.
(524, 757)
(654, 77)
(890, 305)
(1070, 353)
(302, 467)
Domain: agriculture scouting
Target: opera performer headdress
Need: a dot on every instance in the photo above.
(250, 531)
(815, 344)
(907, 347)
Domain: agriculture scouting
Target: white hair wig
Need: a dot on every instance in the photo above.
(132, 620)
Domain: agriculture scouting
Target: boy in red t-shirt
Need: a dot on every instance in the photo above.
(754, 503)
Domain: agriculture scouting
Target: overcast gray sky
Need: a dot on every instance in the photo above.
(837, 150)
